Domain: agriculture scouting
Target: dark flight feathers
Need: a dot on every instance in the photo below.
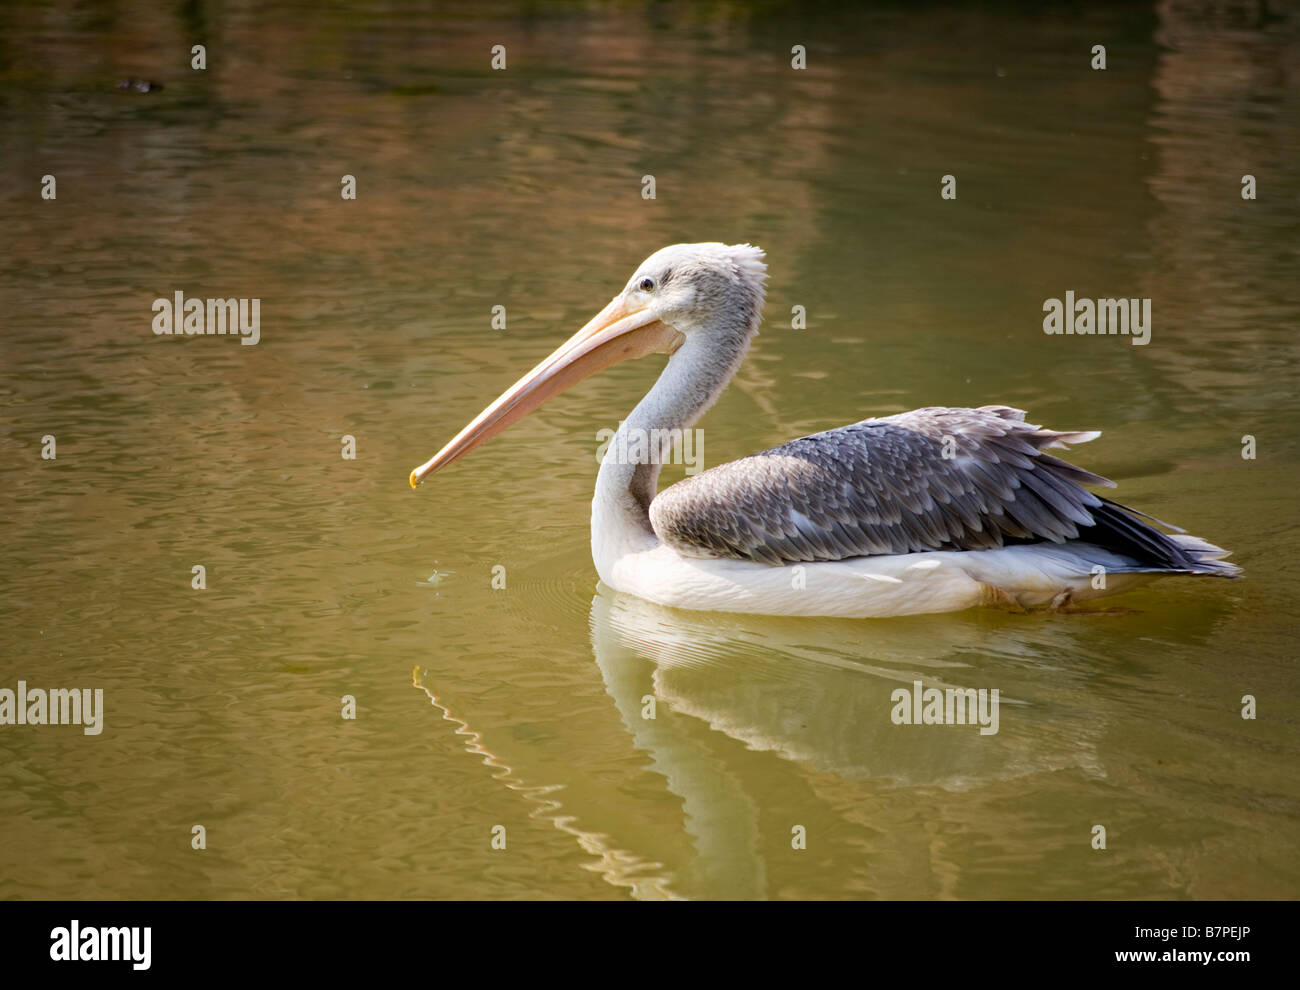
(930, 479)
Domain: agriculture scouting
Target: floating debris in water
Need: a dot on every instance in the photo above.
(138, 85)
(435, 579)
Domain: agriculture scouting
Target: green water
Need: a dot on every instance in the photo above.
(522, 707)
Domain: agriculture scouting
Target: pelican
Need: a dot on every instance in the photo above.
(932, 510)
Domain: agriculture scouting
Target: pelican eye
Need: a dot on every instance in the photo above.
(647, 285)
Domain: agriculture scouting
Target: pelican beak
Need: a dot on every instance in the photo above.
(617, 333)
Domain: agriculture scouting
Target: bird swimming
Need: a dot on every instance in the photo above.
(933, 510)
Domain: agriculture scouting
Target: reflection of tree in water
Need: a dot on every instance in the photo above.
(1223, 268)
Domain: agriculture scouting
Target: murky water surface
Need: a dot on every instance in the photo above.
(523, 707)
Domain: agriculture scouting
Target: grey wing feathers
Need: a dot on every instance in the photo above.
(930, 479)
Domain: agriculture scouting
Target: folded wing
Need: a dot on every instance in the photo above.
(930, 479)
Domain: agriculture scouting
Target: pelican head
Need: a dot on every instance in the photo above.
(707, 291)
(696, 288)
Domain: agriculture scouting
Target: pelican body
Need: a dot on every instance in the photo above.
(932, 510)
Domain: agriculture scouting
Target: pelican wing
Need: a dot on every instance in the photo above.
(930, 479)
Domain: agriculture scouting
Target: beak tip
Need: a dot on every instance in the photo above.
(414, 479)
